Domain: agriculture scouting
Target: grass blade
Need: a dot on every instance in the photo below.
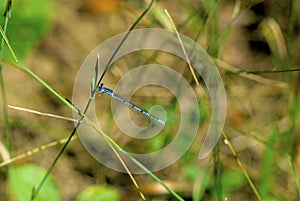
(295, 175)
(266, 174)
(94, 80)
(35, 150)
(7, 14)
(240, 164)
(42, 113)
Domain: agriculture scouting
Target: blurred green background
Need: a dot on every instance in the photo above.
(255, 45)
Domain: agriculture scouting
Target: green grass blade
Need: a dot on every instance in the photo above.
(35, 76)
(94, 80)
(35, 150)
(140, 165)
(240, 164)
(4, 106)
(268, 164)
(295, 175)
(236, 13)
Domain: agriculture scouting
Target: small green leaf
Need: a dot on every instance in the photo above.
(30, 20)
(22, 180)
(98, 193)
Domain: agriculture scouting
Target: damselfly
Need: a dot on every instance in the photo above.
(110, 92)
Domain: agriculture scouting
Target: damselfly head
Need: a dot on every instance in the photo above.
(101, 89)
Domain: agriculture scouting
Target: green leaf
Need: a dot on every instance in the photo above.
(95, 78)
(22, 180)
(98, 193)
(200, 177)
(30, 21)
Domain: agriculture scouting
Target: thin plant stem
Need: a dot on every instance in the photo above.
(31, 73)
(153, 176)
(7, 14)
(270, 71)
(250, 75)
(36, 191)
(111, 143)
(236, 13)
(138, 163)
(185, 54)
(240, 164)
(295, 175)
(40, 185)
(35, 150)
(42, 113)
